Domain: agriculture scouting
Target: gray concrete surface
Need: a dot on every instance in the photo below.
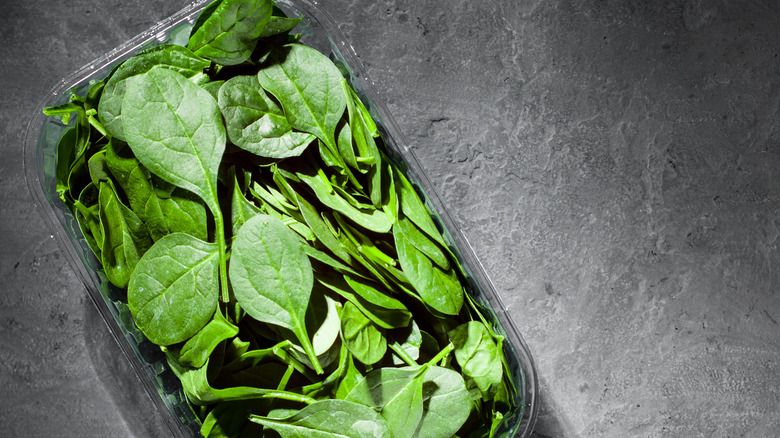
(615, 164)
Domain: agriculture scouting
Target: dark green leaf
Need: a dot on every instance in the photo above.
(176, 58)
(256, 123)
(174, 290)
(229, 33)
(329, 418)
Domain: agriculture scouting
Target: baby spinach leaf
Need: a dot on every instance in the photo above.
(174, 290)
(363, 338)
(413, 207)
(256, 123)
(125, 238)
(175, 130)
(371, 219)
(329, 419)
(66, 154)
(178, 211)
(196, 351)
(447, 404)
(439, 289)
(176, 58)
(241, 209)
(320, 229)
(87, 212)
(279, 23)
(196, 385)
(422, 242)
(272, 277)
(478, 356)
(397, 394)
(229, 33)
(389, 312)
(308, 85)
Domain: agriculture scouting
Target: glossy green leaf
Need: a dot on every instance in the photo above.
(397, 394)
(176, 58)
(272, 276)
(478, 356)
(363, 338)
(175, 130)
(256, 123)
(308, 85)
(174, 290)
(229, 33)
(329, 419)
(439, 289)
(447, 404)
(125, 238)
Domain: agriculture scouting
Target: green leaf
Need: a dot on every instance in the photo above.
(175, 130)
(371, 219)
(174, 289)
(279, 23)
(363, 338)
(272, 276)
(176, 58)
(308, 85)
(196, 351)
(447, 404)
(125, 238)
(439, 289)
(422, 242)
(178, 211)
(327, 419)
(256, 123)
(413, 207)
(229, 33)
(397, 394)
(478, 356)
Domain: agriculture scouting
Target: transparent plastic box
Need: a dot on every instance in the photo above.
(321, 32)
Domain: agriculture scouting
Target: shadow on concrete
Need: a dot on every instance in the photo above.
(119, 378)
(549, 422)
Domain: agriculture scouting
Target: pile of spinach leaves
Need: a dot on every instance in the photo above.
(240, 191)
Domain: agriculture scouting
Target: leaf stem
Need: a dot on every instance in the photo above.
(402, 354)
(442, 354)
(219, 236)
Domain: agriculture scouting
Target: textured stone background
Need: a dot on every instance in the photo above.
(615, 165)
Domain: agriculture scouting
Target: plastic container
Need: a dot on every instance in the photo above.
(320, 32)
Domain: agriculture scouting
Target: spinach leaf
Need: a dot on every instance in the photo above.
(371, 219)
(447, 404)
(196, 351)
(178, 211)
(125, 238)
(272, 277)
(397, 394)
(422, 242)
(364, 340)
(308, 85)
(174, 289)
(176, 58)
(175, 130)
(229, 33)
(478, 356)
(256, 123)
(279, 23)
(439, 289)
(329, 418)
